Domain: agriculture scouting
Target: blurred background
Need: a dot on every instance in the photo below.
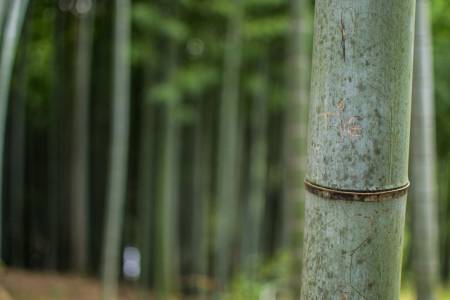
(157, 148)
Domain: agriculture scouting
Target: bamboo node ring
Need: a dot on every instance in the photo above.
(361, 196)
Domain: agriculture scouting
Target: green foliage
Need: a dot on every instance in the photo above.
(271, 4)
(441, 19)
(272, 278)
(196, 79)
(146, 17)
(266, 28)
(166, 92)
(441, 45)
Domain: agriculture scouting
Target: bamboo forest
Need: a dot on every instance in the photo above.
(224, 149)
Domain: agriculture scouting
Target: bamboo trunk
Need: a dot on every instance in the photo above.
(17, 158)
(53, 147)
(201, 195)
(295, 135)
(227, 193)
(423, 162)
(254, 214)
(296, 123)
(357, 173)
(11, 36)
(3, 8)
(145, 190)
(167, 256)
(119, 152)
(166, 236)
(80, 144)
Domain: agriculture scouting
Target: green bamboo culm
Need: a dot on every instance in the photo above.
(119, 152)
(11, 35)
(166, 258)
(146, 192)
(80, 146)
(298, 68)
(252, 233)
(2, 14)
(423, 162)
(359, 123)
(227, 194)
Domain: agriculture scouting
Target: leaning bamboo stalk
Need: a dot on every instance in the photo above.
(11, 36)
(17, 163)
(2, 14)
(357, 173)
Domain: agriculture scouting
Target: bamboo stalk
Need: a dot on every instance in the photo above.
(119, 152)
(11, 36)
(80, 146)
(358, 148)
(227, 193)
(166, 238)
(423, 162)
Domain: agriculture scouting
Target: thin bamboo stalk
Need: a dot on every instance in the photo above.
(119, 152)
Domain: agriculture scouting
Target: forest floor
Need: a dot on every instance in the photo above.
(25, 285)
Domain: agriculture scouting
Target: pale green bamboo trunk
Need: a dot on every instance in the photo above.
(80, 146)
(358, 147)
(227, 193)
(119, 152)
(295, 134)
(296, 122)
(8, 47)
(425, 255)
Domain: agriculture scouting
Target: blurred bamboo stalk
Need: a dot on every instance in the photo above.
(11, 36)
(425, 254)
(252, 232)
(3, 6)
(166, 237)
(17, 147)
(80, 142)
(202, 169)
(119, 152)
(227, 194)
(145, 189)
(299, 63)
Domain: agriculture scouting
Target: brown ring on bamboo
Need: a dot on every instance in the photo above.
(361, 196)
